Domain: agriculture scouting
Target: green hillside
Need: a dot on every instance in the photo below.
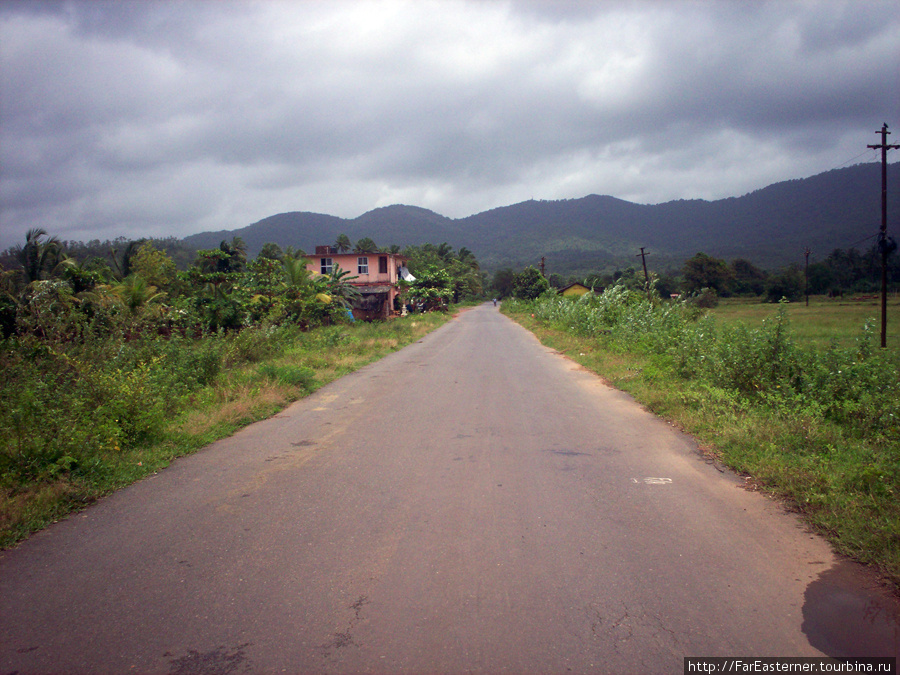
(771, 227)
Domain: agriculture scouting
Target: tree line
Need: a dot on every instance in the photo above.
(61, 290)
(843, 271)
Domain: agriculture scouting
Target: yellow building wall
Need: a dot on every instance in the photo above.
(575, 291)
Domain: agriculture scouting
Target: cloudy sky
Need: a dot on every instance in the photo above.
(163, 117)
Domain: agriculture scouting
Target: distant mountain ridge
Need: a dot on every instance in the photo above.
(771, 227)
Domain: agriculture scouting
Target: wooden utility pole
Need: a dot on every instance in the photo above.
(646, 276)
(542, 267)
(883, 238)
(806, 274)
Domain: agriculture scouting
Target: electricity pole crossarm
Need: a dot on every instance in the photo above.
(884, 147)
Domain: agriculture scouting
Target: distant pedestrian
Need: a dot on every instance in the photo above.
(495, 302)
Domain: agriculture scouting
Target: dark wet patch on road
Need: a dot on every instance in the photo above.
(847, 615)
(219, 661)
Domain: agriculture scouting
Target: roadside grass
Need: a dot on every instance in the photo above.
(830, 461)
(77, 424)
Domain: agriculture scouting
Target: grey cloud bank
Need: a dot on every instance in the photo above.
(170, 118)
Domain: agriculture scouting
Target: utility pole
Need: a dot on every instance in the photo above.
(806, 274)
(646, 276)
(883, 239)
(542, 267)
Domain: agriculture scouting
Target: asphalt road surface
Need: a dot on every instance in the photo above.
(473, 503)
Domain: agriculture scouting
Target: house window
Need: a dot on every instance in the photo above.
(362, 265)
(327, 265)
(382, 264)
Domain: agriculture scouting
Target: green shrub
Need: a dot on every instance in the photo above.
(856, 386)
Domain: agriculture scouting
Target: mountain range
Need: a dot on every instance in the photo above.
(770, 227)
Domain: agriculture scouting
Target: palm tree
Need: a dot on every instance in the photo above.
(467, 258)
(295, 272)
(339, 288)
(343, 243)
(271, 250)
(134, 292)
(236, 250)
(366, 245)
(445, 251)
(39, 254)
(291, 252)
(130, 251)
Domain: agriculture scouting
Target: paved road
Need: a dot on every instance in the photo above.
(472, 503)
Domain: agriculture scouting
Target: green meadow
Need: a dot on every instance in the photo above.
(823, 320)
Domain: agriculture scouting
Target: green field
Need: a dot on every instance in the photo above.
(824, 320)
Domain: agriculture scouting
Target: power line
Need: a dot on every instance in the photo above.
(840, 166)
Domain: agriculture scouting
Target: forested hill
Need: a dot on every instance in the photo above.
(770, 227)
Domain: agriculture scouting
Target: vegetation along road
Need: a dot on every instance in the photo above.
(472, 503)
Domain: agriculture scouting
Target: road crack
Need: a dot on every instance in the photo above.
(342, 639)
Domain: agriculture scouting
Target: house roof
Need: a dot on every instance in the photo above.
(332, 253)
(574, 285)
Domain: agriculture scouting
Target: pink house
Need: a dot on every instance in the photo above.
(378, 276)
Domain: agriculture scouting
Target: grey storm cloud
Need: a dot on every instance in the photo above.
(172, 117)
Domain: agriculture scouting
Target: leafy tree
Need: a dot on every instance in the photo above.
(822, 280)
(530, 284)
(466, 280)
(343, 244)
(220, 308)
(746, 278)
(8, 302)
(630, 279)
(264, 281)
(667, 285)
(703, 271)
(789, 283)
(504, 282)
(431, 289)
(208, 260)
(153, 265)
(85, 277)
(47, 309)
(598, 281)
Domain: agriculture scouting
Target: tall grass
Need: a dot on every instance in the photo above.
(857, 386)
(818, 425)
